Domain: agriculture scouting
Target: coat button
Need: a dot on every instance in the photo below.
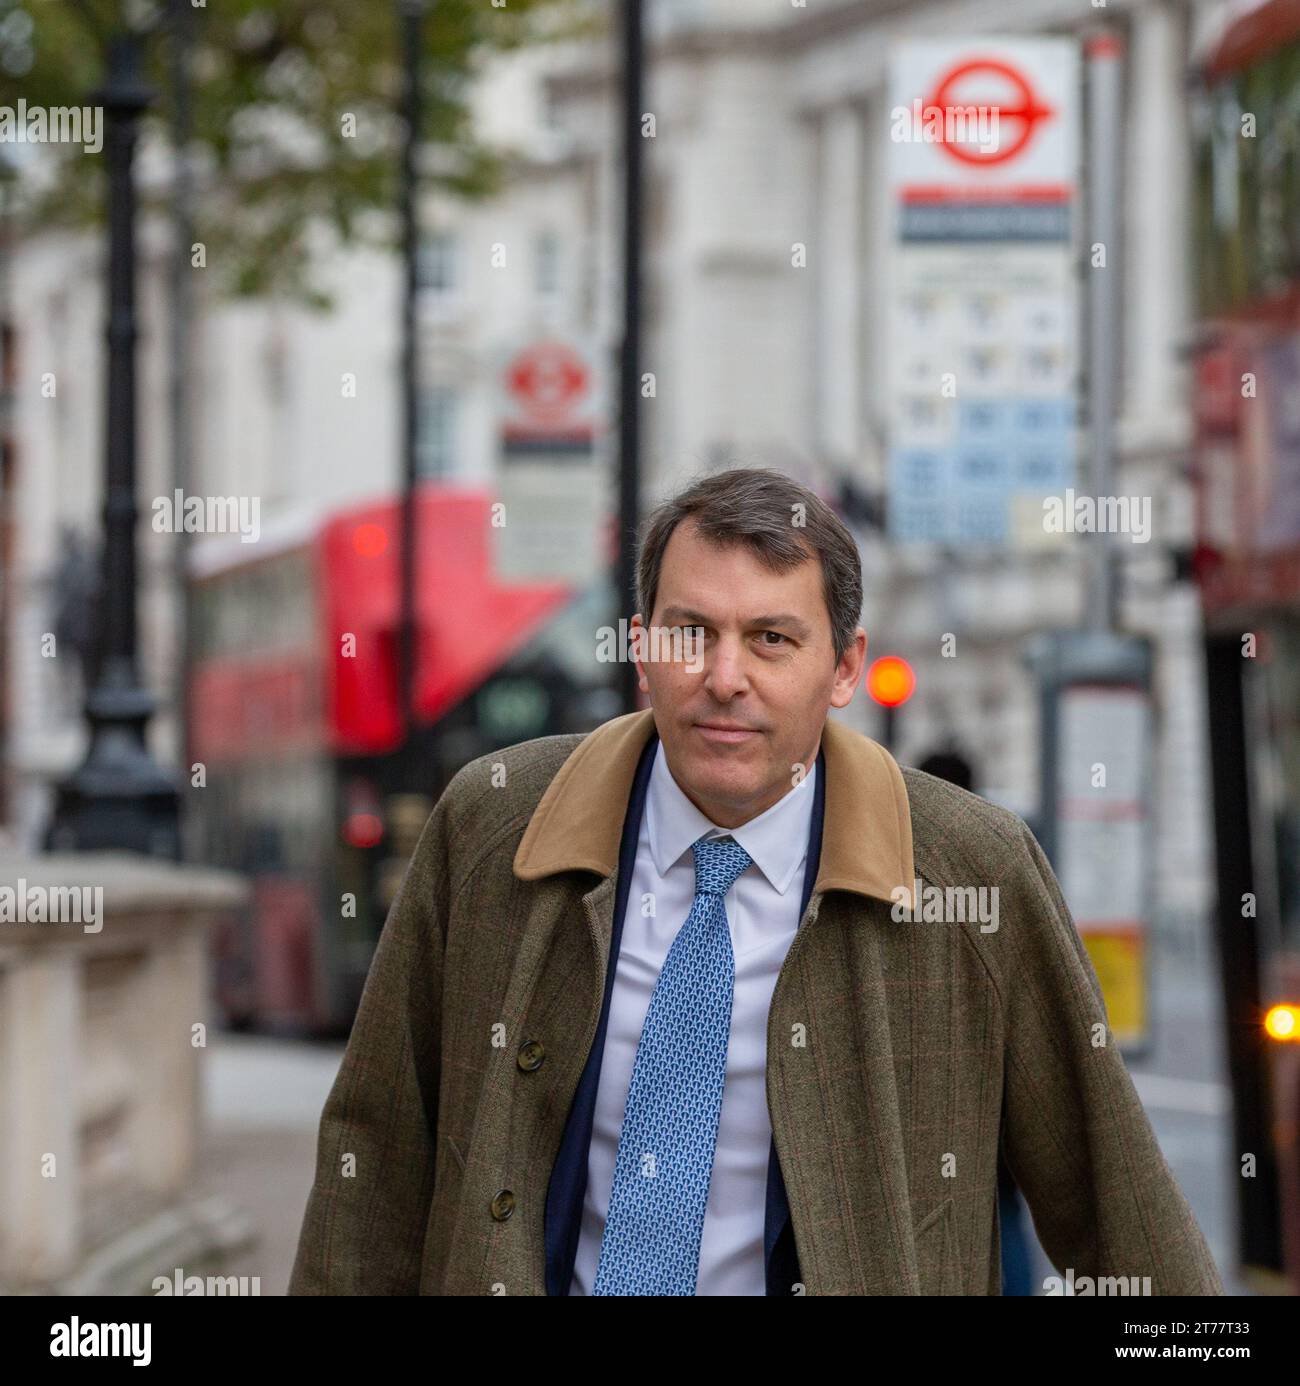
(503, 1204)
(531, 1056)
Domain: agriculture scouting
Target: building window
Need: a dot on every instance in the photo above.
(546, 252)
(435, 443)
(436, 262)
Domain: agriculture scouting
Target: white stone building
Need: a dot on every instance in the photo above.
(770, 122)
(770, 128)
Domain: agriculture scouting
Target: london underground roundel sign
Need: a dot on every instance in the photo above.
(1019, 110)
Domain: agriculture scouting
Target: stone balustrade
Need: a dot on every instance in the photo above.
(104, 1008)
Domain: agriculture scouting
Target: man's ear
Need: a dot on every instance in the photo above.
(635, 624)
(849, 670)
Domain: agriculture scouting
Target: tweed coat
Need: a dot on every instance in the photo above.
(899, 1052)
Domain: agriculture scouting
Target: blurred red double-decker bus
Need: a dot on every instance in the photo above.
(301, 777)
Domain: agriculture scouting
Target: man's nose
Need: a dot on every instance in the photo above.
(725, 674)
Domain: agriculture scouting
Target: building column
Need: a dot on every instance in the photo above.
(873, 298)
(837, 364)
(1157, 227)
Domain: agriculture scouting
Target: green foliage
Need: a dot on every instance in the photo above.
(293, 114)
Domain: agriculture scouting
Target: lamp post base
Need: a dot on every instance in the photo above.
(119, 799)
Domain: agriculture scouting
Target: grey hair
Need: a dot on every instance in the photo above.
(782, 523)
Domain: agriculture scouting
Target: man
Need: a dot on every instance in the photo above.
(651, 1013)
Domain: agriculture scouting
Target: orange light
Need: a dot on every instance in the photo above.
(1283, 1022)
(890, 681)
(369, 540)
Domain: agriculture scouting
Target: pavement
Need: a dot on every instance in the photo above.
(1182, 1081)
(262, 1104)
(1183, 1084)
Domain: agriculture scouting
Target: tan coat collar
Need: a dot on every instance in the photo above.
(866, 836)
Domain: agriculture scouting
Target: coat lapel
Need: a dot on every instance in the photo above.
(604, 909)
(867, 837)
(834, 1104)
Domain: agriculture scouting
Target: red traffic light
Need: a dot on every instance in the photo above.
(890, 681)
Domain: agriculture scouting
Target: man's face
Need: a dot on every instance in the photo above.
(747, 704)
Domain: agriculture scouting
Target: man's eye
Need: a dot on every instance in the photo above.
(779, 637)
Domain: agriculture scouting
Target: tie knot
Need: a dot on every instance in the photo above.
(718, 864)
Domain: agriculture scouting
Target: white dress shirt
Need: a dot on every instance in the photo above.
(763, 914)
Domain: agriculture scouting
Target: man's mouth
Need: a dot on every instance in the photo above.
(725, 733)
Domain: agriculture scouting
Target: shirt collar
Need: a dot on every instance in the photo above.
(777, 840)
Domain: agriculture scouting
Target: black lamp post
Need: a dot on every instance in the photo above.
(411, 15)
(629, 371)
(119, 797)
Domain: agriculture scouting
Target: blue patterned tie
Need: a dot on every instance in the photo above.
(652, 1235)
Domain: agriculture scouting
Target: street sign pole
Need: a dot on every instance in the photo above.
(1096, 717)
(1103, 55)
